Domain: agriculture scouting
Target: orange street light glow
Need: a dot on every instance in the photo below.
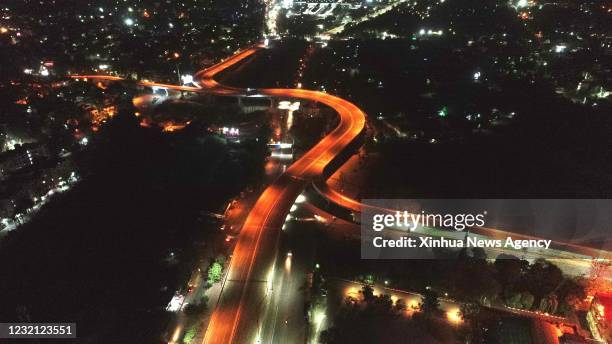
(454, 315)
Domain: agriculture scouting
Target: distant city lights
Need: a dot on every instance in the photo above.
(429, 32)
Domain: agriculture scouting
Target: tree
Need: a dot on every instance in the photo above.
(430, 304)
(367, 292)
(549, 304)
(522, 300)
(473, 279)
(400, 305)
(379, 321)
(190, 335)
(469, 310)
(509, 270)
(526, 300)
(542, 278)
(479, 253)
(214, 273)
(571, 294)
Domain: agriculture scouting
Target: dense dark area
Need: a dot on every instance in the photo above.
(270, 68)
(377, 319)
(554, 150)
(467, 275)
(119, 191)
(438, 132)
(100, 255)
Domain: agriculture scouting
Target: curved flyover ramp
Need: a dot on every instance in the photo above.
(236, 318)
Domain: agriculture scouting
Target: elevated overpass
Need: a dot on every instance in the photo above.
(234, 319)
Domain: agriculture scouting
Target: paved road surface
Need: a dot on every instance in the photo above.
(237, 318)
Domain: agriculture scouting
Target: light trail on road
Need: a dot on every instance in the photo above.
(356, 206)
(139, 83)
(237, 314)
(235, 319)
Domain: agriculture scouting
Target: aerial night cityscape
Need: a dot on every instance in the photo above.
(306, 171)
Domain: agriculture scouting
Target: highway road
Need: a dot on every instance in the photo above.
(237, 317)
(571, 264)
(249, 292)
(357, 207)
